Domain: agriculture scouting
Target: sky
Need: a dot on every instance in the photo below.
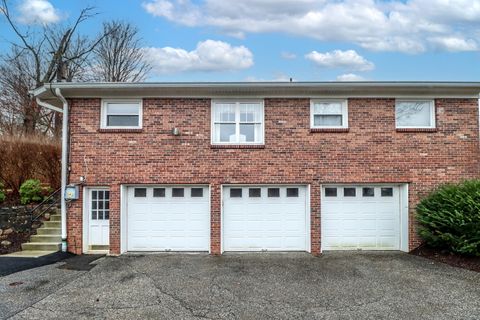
(275, 40)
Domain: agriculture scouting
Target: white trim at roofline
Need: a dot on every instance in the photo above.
(263, 89)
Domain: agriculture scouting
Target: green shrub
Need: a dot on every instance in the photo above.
(31, 191)
(450, 218)
(2, 192)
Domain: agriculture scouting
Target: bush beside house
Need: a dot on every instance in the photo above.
(24, 158)
(450, 218)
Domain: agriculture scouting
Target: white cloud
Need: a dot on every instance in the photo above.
(350, 77)
(454, 44)
(208, 56)
(410, 26)
(38, 11)
(348, 60)
(288, 55)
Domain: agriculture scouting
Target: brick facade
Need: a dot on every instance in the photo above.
(370, 151)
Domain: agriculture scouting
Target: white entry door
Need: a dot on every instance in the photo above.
(261, 218)
(360, 217)
(168, 218)
(99, 215)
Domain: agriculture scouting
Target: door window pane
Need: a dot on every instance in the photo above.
(100, 205)
(349, 192)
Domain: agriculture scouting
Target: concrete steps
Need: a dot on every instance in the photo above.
(47, 240)
(50, 231)
(41, 246)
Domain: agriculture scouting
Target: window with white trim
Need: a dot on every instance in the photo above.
(121, 114)
(328, 114)
(415, 114)
(237, 122)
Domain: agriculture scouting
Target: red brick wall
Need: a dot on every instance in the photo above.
(372, 151)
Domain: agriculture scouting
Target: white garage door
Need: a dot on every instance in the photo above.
(360, 217)
(164, 218)
(265, 218)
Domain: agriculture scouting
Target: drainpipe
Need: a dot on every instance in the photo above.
(64, 112)
(58, 93)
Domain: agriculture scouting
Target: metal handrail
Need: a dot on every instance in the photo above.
(34, 216)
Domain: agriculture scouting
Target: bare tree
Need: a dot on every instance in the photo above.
(118, 57)
(35, 60)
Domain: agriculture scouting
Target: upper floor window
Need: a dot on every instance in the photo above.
(329, 114)
(237, 122)
(415, 114)
(121, 114)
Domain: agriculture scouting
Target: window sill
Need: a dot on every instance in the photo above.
(416, 129)
(237, 146)
(105, 130)
(329, 129)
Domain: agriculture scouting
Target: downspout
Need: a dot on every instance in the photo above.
(58, 93)
(64, 112)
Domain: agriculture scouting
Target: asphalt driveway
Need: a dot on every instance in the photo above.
(249, 286)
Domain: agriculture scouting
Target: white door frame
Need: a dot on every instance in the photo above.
(124, 210)
(403, 209)
(308, 240)
(86, 215)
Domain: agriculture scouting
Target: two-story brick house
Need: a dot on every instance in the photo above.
(220, 167)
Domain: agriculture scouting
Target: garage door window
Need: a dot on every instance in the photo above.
(158, 192)
(273, 192)
(292, 192)
(254, 192)
(368, 192)
(236, 193)
(330, 192)
(178, 192)
(140, 192)
(196, 192)
(349, 192)
(387, 192)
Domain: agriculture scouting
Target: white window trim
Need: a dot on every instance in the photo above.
(432, 114)
(237, 123)
(344, 103)
(103, 117)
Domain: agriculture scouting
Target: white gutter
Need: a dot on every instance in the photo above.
(64, 112)
(58, 93)
(48, 105)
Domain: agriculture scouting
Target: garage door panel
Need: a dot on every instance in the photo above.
(166, 222)
(360, 222)
(264, 223)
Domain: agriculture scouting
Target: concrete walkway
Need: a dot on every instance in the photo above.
(250, 286)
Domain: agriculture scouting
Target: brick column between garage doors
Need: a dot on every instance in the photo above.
(315, 218)
(215, 219)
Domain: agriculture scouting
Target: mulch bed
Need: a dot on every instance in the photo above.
(453, 259)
